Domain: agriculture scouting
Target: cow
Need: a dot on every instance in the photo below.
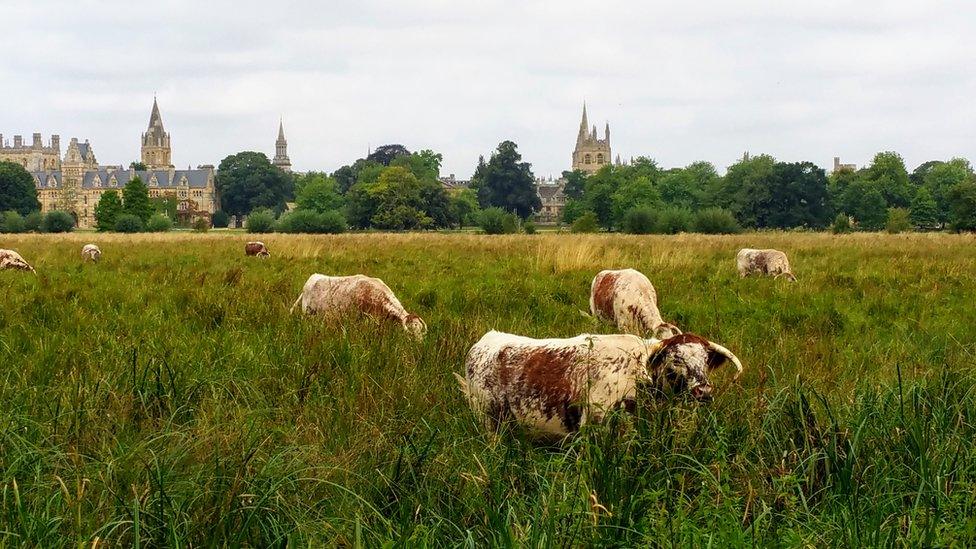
(91, 253)
(627, 299)
(256, 248)
(554, 386)
(10, 259)
(763, 263)
(334, 296)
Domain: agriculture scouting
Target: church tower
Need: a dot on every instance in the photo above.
(156, 152)
(591, 152)
(281, 150)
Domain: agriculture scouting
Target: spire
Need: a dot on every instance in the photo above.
(582, 136)
(607, 133)
(281, 149)
(281, 130)
(155, 119)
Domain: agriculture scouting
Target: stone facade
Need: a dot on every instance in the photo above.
(591, 152)
(32, 157)
(838, 166)
(553, 200)
(156, 150)
(281, 150)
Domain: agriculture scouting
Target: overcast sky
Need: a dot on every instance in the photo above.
(678, 81)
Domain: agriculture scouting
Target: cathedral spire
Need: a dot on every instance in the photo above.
(281, 130)
(156, 151)
(281, 149)
(154, 118)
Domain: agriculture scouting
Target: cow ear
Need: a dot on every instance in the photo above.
(718, 355)
(655, 348)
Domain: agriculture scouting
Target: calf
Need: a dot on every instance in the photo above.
(91, 253)
(10, 259)
(763, 263)
(554, 386)
(256, 248)
(627, 299)
(334, 296)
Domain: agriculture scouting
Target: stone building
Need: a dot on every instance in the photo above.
(78, 182)
(33, 157)
(591, 152)
(838, 166)
(550, 192)
(281, 150)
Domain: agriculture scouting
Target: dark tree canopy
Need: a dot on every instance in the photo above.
(247, 181)
(107, 210)
(385, 154)
(17, 190)
(135, 199)
(506, 182)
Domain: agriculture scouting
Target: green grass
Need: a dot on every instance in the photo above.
(164, 397)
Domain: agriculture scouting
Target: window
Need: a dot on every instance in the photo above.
(587, 159)
(599, 159)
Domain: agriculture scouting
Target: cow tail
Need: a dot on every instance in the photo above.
(463, 383)
(297, 303)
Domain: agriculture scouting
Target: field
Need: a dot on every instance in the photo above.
(166, 397)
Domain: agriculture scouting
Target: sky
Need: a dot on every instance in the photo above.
(678, 82)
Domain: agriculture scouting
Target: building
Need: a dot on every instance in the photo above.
(591, 153)
(550, 192)
(77, 184)
(453, 184)
(34, 157)
(281, 150)
(847, 167)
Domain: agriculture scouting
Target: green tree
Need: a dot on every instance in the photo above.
(586, 223)
(841, 224)
(962, 207)
(17, 190)
(400, 203)
(924, 213)
(898, 221)
(495, 220)
(320, 194)
(166, 205)
(426, 164)
(635, 193)
(128, 223)
(12, 222)
(888, 171)
(58, 222)
(107, 210)
(138, 166)
(135, 199)
(507, 182)
(247, 181)
(261, 220)
(942, 178)
(575, 207)
(872, 211)
(764, 193)
(575, 183)
(464, 207)
(599, 192)
(386, 154)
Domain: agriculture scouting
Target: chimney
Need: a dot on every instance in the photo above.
(37, 141)
(56, 142)
(18, 141)
(1, 141)
(836, 163)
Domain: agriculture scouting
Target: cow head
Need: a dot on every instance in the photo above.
(415, 326)
(264, 253)
(683, 362)
(666, 330)
(789, 276)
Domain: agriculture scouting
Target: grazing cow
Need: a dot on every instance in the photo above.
(256, 248)
(91, 253)
(553, 386)
(10, 259)
(334, 296)
(763, 263)
(627, 298)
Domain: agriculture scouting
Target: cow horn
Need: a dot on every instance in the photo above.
(727, 354)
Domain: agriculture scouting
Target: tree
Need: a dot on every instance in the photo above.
(942, 178)
(128, 223)
(464, 207)
(764, 193)
(575, 182)
(496, 221)
(636, 193)
(17, 190)
(247, 181)
(872, 211)
(107, 210)
(260, 221)
(888, 171)
(220, 219)
(320, 194)
(897, 221)
(599, 192)
(924, 213)
(167, 205)
(58, 222)
(962, 207)
(12, 222)
(425, 165)
(135, 199)
(385, 154)
(138, 166)
(400, 204)
(507, 182)
(917, 178)
(586, 223)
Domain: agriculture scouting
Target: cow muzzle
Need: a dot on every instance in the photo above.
(702, 392)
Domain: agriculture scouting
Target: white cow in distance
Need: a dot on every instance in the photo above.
(627, 299)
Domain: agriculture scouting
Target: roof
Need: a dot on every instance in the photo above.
(154, 179)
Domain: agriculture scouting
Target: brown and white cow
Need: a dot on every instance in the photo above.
(256, 248)
(335, 296)
(91, 253)
(10, 259)
(627, 299)
(553, 386)
(763, 263)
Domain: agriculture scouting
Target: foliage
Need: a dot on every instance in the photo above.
(506, 182)
(924, 211)
(17, 190)
(764, 193)
(320, 194)
(167, 205)
(12, 222)
(159, 223)
(941, 178)
(715, 221)
(841, 224)
(575, 184)
(425, 165)
(674, 221)
(34, 222)
(309, 221)
(386, 154)
(586, 223)
(962, 207)
(260, 221)
(107, 210)
(529, 227)
(464, 207)
(898, 221)
(220, 219)
(872, 212)
(639, 220)
(201, 225)
(247, 181)
(58, 222)
(138, 166)
(129, 223)
(573, 209)
(135, 199)
(887, 171)
(496, 221)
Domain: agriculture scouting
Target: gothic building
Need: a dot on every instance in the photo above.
(156, 151)
(32, 157)
(281, 150)
(591, 152)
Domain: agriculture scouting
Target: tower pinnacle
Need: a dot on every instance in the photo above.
(281, 159)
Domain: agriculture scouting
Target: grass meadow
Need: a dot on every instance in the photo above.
(165, 397)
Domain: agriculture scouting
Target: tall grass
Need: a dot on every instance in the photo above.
(165, 397)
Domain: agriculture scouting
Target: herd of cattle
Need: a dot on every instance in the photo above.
(550, 386)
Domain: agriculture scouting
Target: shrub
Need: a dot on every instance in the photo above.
(58, 222)
(529, 227)
(962, 207)
(220, 219)
(496, 221)
(260, 221)
(12, 222)
(715, 221)
(841, 224)
(159, 223)
(310, 221)
(34, 222)
(201, 224)
(586, 223)
(128, 223)
(898, 220)
(674, 221)
(639, 220)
